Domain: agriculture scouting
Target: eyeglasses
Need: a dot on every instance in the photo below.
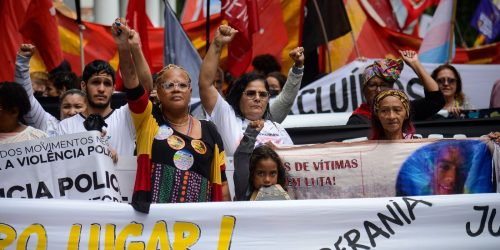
(171, 85)
(382, 86)
(252, 94)
(443, 80)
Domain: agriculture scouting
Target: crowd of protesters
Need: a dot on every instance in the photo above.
(241, 120)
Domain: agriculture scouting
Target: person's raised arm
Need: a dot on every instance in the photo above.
(242, 160)
(208, 93)
(22, 75)
(284, 101)
(37, 116)
(433, 100)
(121, 33)
(411, 59)
(141, 65)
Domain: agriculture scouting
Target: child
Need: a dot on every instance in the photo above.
(257, 168)
(266, 171)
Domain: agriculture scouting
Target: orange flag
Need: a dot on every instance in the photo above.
(97, 42)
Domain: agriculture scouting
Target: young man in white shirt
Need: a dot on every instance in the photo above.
(98, 81)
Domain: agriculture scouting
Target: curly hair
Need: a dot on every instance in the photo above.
(417, 175)
(163, 71)
(262, 153)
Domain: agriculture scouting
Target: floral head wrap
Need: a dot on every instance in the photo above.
(392, 92)
(387, 69)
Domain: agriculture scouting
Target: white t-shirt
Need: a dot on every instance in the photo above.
(231, 128)
(29, 133)
(120, 131)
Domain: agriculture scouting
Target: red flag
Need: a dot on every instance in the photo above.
(243, 16)
(12, 12)
(138, 19)
(40, 27)
(272, 36)
(98, 42)
(407, 11)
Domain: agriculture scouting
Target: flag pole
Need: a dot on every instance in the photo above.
(207, 27)
(323, 29)
(81, 28)
(356, 48)
(452, 30)
(462, 41)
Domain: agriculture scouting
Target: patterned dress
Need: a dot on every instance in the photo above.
(173, 167)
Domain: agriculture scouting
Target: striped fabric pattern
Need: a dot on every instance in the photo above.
(435, 47)
(146, 128)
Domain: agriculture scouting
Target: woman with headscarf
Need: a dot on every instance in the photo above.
(179, 158)
(391, 116)
(382, 75)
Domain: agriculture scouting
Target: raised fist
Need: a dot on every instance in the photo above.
(26, 50)
(224, 35)
(297, 56)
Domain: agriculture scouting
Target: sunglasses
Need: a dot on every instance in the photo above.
(443, 80)
(172, 85)
(252, 94)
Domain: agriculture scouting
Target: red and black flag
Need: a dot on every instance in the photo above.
(324, 20)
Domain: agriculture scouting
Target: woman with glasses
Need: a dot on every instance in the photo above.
(247, 101)
(450, 84)
(179, 158)
(382, 75)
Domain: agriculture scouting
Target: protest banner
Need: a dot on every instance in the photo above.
(388, 168)
(341, 91)
(76, 166)
(125, 170)
(79, 166)
(419, 222)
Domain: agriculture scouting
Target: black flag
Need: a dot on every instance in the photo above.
(330, 23)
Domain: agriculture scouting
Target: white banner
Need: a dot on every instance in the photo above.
(77, 166)
(341, 91)
(425, 222)
(388, 168)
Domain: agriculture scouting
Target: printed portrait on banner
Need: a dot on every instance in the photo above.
(447, 167)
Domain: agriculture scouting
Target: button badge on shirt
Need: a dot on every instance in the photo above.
(176, 142)
(164, 132)
(199, 146)
(183, 160)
